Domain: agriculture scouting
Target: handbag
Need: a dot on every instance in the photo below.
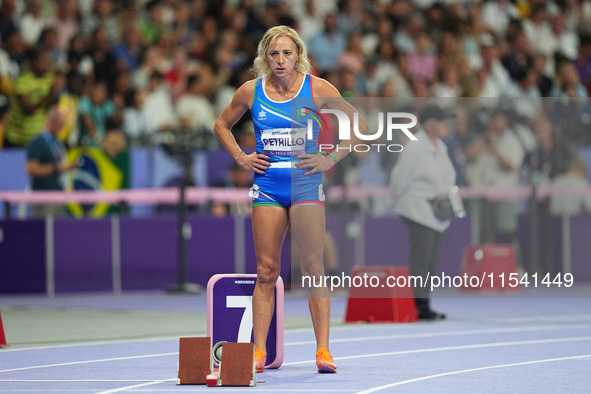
(448, 206)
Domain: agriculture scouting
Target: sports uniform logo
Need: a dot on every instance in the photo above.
(262, 115)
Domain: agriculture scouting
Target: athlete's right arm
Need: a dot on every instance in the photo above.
(230, 115)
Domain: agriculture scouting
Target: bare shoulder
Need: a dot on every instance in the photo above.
(323, 88)
(245, 93)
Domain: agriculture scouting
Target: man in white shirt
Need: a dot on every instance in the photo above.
(423, 173)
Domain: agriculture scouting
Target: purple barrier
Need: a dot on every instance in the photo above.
(148, 253)
(581, 247)
(82, 255)
(210, 250)
(22, 256)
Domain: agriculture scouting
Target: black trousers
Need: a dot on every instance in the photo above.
(425, 250)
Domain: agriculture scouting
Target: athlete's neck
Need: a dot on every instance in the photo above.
(283, 85)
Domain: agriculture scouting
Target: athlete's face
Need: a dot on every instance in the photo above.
(282, 56)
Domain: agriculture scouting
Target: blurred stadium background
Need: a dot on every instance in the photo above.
(142, 82)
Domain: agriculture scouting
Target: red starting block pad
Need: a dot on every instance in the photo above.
(2, 336)
(486, 260)
(375, 300)
(195, 362)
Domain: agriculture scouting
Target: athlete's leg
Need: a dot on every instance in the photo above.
(308, 227)
(269, 225)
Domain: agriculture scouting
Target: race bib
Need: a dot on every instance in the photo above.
(284, 142)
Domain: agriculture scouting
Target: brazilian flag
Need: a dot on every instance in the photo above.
(95, 171)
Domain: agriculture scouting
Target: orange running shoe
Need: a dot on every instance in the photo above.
(259, 360)
(325, 362)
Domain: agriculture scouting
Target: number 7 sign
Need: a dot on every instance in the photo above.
(229, 313)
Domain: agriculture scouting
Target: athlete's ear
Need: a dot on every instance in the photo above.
(297, 65)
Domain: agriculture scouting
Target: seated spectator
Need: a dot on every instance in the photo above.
(94, 113)
(102, 17)
(194, 108)
(575, 178)
(567, 82)
(327, 46)
(45, 162)
(32, 23)
(135, 123)
(422, 64)
(68, 104)
(128, 51)
(519, 60)
(65, 22)
(158, 108)
(35, 90)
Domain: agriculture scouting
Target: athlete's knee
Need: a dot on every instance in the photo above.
(312, 266)
(267, 271)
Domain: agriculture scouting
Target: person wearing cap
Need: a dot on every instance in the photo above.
(422, 174)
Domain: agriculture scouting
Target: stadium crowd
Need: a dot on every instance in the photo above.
(144, 68)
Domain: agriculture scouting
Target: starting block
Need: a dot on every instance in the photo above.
(380, 303)
(2, 336)
(237, 365)
(195, 362)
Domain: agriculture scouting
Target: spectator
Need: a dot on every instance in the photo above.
(45, 163)
(153, 26)
(158, 108)
(135, 122)
(102, 17)
(498, 158)
(68, 104)
(567, 82)
(194, 108)
(65, 23)
(35, 90)
(497, 14)
(553, 155)
(519, 60)
(575, 178)
(327, 46)
(422, 64)
(32, 23)
(130, 47)
(94, 113)
(497, 74)
(7, 18)
(423, 173)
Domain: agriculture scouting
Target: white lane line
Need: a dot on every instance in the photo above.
(338, 340)
(444, 334)
(135, 386)
(548, 360)
(440, 349)
(91, 361)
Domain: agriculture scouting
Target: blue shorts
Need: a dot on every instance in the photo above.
(284, 186)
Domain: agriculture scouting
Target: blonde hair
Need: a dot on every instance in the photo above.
(261, 67)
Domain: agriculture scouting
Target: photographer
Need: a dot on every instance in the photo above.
(424, 173)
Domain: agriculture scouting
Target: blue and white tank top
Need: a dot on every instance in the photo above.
(281, 127)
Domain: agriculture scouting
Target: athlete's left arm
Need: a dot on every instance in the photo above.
(327, 96)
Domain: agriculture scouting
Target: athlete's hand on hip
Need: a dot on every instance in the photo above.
(317, 162)
(256, 162)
